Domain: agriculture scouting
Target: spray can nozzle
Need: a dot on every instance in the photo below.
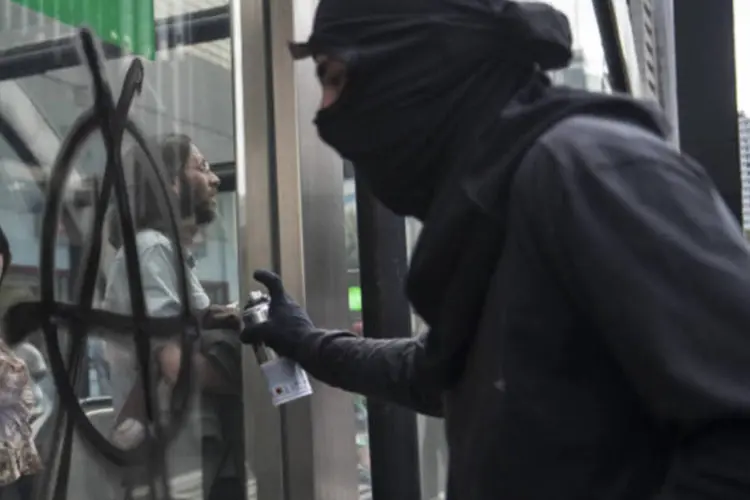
(255, 313)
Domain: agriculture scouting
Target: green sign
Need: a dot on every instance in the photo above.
(355, 299)
(128, 24)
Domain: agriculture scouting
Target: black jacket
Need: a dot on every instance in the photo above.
(612, 357)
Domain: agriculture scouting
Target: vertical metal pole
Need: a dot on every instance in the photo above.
(614, 54)
(319, 432)
(706, 92)
(616, 30)
(254, 158)
(394, 453)
(306, 450)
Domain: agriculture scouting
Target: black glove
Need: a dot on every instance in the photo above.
(287, 321)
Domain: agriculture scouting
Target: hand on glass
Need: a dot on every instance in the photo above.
(218, 317)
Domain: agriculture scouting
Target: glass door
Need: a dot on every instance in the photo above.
(188, 100)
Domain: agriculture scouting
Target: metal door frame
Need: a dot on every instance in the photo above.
(293, 184)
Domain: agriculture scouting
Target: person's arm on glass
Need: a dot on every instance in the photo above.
(160, 285)
(388, 369)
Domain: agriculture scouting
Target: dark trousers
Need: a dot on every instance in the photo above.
(215, 486)
(229, 488)
(20, 490)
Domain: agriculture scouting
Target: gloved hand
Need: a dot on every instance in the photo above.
(287, 321)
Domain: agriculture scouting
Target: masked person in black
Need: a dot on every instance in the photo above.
(586, 288)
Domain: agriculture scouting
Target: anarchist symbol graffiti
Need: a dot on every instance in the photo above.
(76, 320)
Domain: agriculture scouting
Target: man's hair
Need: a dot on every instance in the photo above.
(146, 198)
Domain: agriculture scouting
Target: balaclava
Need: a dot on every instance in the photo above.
(421, 74)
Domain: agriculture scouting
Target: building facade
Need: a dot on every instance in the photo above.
(744, 128)
(653, 35)
(647, 47)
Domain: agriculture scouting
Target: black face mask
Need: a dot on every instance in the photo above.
(420, 75)
(393, 119)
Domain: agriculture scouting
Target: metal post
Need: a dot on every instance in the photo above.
(255, 234)
(706, 92)
(394, 454)
(614, 54)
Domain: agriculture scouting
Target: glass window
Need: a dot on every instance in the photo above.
(20, 203)
(187, 90)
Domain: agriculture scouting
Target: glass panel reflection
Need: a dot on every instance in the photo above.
(186, 94)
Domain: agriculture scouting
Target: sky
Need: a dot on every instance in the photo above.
(742, 52)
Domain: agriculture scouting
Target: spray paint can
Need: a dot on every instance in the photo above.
(256, 312)
(286, 380)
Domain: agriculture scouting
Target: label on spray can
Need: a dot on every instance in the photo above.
(286, 380)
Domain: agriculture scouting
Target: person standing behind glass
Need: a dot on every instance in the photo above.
(19, 458)
(214, 433)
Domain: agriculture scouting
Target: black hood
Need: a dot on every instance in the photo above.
(422, 77)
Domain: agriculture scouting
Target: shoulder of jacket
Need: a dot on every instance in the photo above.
(587, 144)
(599, 139)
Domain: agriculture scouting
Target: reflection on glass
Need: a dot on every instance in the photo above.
(187, 90)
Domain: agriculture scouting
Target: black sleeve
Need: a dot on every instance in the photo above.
(652, 255)
(387, 369)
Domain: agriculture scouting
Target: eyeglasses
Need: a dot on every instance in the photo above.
(203, 167)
